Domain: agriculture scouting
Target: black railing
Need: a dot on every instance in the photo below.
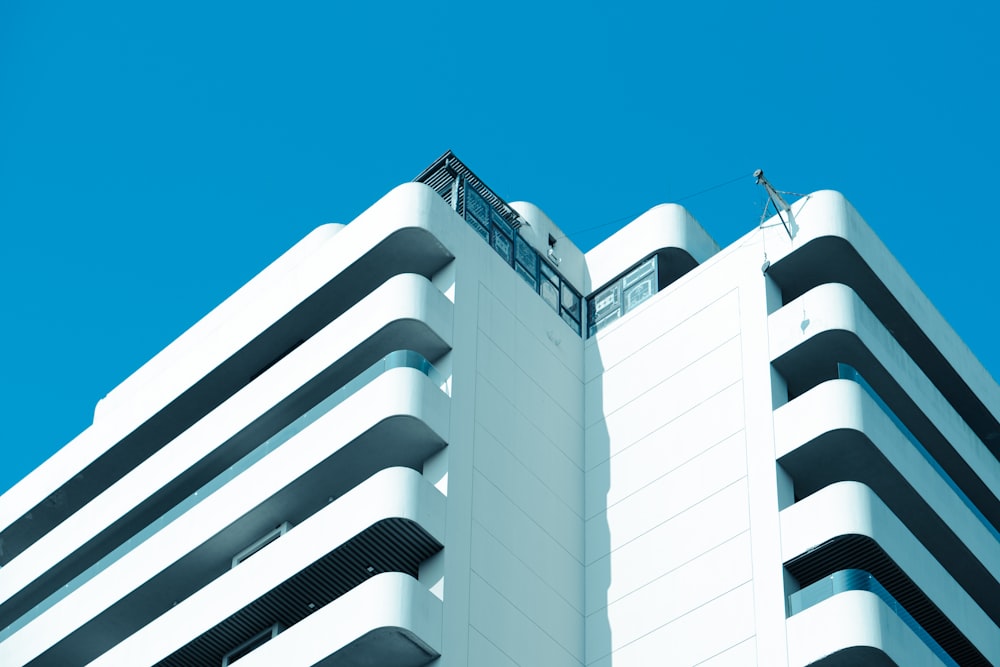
(498, 224)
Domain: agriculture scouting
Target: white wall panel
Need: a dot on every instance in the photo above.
(535, 452)
(686, 536)
(741, 655)
(532, 545)
(660, 358)
(525, 356)
(529, 492)
(482, 653)
(692, 638)
(527, 591)
(505, 406)
(659, 314)
(669, 597)
(510, 630)
(673, 396)
(673, 444)
(671, 494)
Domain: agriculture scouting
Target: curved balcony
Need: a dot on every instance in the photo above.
(830, 324)
(837, 432)
(391, 521)
(410, 230)
(400, 418)
(400, 359)
(388, 620)
(405, 311)
(846, 526)
(859, 596)
(835, 245)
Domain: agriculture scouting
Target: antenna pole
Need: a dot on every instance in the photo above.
(780, 205)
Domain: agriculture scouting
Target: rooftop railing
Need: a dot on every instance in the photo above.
(498, 224)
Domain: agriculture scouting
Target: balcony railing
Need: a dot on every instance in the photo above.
(859, 580)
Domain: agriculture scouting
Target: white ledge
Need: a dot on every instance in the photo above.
(852, 508)
(855, 622)
(391, 493)
(406, 298)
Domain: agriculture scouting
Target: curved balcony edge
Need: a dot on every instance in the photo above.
(853, 509)
(389, 620)
(411, 227)
(835, 245)
(406, 308)
(829, 326)
(400, 418)
(837, 432)
(854, 627)
(666, 228)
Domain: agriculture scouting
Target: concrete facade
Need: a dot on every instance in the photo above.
(442, 435)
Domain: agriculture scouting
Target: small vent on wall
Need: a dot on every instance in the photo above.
(251, 644)
(261, 543)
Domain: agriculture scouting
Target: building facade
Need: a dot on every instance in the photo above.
(442, 435)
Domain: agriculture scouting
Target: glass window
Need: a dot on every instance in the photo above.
(528, 277)
(526, 255)
(547, 272)
(625, 293)
(571, 301)
(476, 206)
(498, 221)
(606, 302)
(639, 293)
(573, 324)
(633, 276)
(597, 326)
(502, 245)
(549, 293)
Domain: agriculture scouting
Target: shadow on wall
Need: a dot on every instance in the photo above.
(597, 532)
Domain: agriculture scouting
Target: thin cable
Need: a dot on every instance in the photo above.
(763, 214)
(714, 187)
(635, 215)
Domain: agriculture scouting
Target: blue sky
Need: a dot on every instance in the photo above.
(155, 156)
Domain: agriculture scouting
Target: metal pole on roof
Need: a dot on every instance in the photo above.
(780, 205)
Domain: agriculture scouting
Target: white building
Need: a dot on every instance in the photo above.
(443, 435)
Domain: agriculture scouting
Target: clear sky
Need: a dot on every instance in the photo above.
(155, 156)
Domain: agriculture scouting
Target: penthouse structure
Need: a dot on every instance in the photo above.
(443, 435)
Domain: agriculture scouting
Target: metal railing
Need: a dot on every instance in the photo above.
(498, 224)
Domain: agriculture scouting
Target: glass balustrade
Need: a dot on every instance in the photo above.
(859, 580)
(846, 372)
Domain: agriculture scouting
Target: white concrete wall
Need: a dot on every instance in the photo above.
(655, 472)
(670, 559)
(523, 368)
